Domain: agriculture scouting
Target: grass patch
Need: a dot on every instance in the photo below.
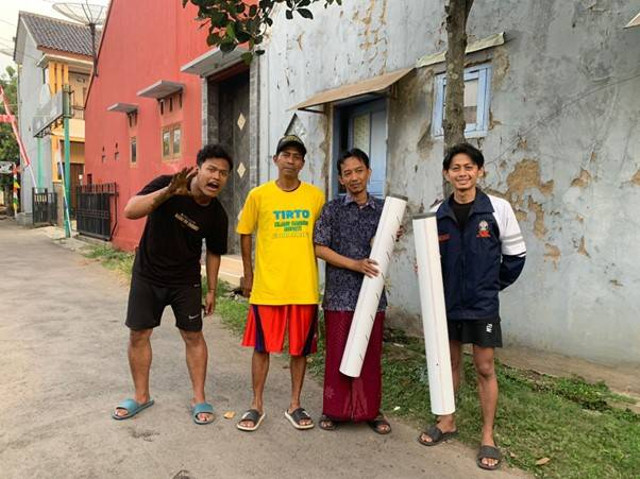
(567, 420)
(111, 258)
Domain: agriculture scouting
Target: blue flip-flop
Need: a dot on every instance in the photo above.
(132, 407)
(203, 407)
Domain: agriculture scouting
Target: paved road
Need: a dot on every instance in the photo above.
(63, 369)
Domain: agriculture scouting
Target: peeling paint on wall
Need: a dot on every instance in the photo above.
(500, 67)
(552, 253)
(583, 179)
(526, 175)
(539, 229)
(582, 248)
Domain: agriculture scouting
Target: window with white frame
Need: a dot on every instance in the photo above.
(477, 88)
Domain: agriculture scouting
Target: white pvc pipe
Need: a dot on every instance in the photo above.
(371, 289)
(434, 314)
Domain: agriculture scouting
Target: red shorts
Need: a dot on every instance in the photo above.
(266, 326)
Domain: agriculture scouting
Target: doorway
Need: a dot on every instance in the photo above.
(364, 126)
(229, 110)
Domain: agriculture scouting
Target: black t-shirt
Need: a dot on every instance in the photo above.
(461, 210)
(171, 244)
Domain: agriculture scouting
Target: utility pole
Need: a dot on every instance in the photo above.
(66, 171)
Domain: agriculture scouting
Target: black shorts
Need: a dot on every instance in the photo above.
(486, 334)
(148, 300)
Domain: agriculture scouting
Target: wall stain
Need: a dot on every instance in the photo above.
(616, 283)
(635, 179)
(500, 67)
(582, 180)
(582, 248)
(526, 175)
(539, 229)
(553, 254)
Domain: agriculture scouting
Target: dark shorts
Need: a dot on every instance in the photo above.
(148, 300)
(486, 334)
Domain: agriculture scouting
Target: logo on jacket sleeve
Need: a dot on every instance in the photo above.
(483, 230)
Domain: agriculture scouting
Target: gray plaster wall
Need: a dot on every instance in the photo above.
(29, 88)
(562, 147)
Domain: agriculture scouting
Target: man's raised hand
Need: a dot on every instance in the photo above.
(180, 181)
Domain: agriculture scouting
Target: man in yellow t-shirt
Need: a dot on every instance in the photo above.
(284, 293)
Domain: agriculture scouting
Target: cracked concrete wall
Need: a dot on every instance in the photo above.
(562, 147)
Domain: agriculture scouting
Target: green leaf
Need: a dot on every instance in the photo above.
(231, 31)
(213, 39)
(305, 13)
(226, 47)
(242, 36)
(247, 57)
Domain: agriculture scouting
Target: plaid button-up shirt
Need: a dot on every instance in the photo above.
(348, 229)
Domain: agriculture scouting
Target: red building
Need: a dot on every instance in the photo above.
(145, 109)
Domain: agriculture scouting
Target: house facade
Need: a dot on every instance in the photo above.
(160, 95)
(50, 54)
(550, 97)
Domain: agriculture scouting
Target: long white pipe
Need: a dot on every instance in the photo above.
(371, 289)
(434, 314)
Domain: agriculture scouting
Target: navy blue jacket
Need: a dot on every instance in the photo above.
(481, 260)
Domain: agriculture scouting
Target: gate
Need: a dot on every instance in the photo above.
(95, 205)
(45, 207)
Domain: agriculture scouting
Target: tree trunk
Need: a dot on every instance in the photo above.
(457, 13)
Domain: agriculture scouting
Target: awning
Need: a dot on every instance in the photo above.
(161, 89)
(371, 86)
(635, 22)
(213, 62)
(494, 40)
(123, 108)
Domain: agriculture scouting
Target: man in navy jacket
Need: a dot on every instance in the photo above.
(482, 252)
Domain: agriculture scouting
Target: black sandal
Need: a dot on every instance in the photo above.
(252, 415)
(436, 435)
(377, 423)
(489, 452)
(297, 416)
(326, 423)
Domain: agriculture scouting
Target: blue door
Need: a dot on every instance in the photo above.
(364, 126)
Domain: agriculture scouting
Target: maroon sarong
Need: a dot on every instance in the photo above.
(346, 398)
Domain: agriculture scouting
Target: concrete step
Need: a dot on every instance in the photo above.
(230, 269)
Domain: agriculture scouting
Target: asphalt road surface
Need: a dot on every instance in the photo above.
(64, 368)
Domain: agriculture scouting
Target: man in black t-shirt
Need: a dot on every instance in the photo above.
(181, 211)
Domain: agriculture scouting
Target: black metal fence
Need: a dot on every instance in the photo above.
(96, 207)
(45, 207)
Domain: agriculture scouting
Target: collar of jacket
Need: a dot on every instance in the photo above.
(482, 204)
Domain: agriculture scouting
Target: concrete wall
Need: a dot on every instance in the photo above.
(148, 51)
(562, 147)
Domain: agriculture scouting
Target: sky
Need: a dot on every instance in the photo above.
(9, 20)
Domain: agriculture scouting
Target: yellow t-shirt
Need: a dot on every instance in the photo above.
(286, 270)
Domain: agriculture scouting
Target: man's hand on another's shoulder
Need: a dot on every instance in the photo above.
(180, 182)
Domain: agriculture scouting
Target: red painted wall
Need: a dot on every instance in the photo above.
(144, 41)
